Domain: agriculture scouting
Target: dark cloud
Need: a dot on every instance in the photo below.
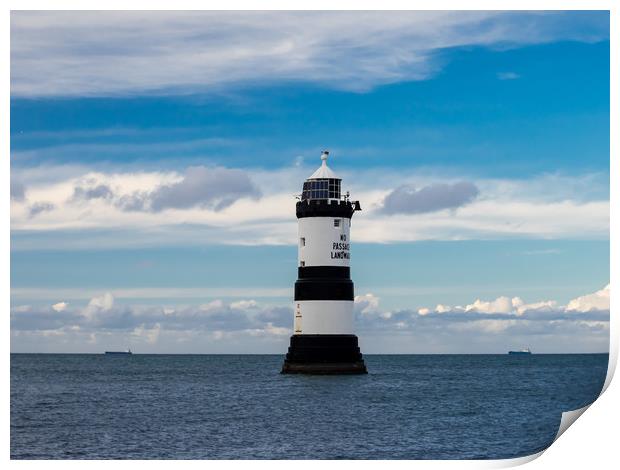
(18, 191)
(214, 188)
(44, 319)
(137, 201)
(101, 191)
(408, 200)
(39, 207)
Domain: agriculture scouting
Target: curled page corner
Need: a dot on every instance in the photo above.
(568, 418)
(517, 461)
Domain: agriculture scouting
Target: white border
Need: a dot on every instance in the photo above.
(591, 443)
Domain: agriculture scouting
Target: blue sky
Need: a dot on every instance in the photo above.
(154, 162)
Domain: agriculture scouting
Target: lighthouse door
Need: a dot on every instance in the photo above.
(297, 326)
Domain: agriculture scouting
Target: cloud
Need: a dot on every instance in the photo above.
(103, 302)
(299, 161)
(183, 52)
(503, 305)
(17, 190)
(249, 326)
(149, 335)
(508, 75)
(549, 207)
(100, 191)
(542, 306)
(60, 306)
(100, 303)
(213, 188)
(40, 207)
(549, 251)
(244, 304)
(500, 305)
(21, 308)
(507, 305)
(597, 301)
(102, 315)
(407, 200)
(366, 304)
(543, 326)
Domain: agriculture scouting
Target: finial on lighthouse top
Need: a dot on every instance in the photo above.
(324, 171)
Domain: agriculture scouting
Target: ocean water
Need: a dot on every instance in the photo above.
(66, 406)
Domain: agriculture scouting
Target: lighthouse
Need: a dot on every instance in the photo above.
(323, 341)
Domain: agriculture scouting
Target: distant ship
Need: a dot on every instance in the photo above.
(522, 352)
(119, 353)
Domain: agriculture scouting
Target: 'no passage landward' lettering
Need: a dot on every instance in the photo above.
(340, 250)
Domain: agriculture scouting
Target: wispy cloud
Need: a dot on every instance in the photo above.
(39, 293)
(181, 52)
(508, 75)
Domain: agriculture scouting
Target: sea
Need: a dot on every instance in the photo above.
(92, 406)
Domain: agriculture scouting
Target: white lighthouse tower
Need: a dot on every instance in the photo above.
(323, 341)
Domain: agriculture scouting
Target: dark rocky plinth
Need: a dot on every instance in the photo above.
(324, 354)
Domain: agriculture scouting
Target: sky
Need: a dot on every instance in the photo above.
(155, 157)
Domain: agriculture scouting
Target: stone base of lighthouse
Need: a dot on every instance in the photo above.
(324, 354)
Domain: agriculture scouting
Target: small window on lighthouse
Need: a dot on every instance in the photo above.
(302, 241)
(336, 222)
(302, 263)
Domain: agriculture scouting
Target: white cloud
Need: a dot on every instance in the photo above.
(366, 304)
(542, 207)
(21, 308)
(516, 306)
(543, 306)
(485, 326)
(599, 300)
(176, 52)
(247, 326)
(100, 303)
(440, 308)
(244, 304)
(60, 306)
(214, 305)
(503, 304)
(270, 330)
(500, 305)
(149, 335)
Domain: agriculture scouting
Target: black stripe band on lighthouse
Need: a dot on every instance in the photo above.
(323, 341)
